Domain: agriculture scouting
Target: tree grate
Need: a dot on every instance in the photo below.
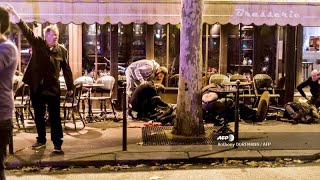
(161, 135)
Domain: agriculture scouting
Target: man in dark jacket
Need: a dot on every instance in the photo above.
(314, 83)
(42, 75)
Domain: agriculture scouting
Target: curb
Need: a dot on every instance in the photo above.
(154, 158)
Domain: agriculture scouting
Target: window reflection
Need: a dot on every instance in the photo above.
(160, 44)
(138, 42)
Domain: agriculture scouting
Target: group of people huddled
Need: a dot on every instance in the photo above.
(144, 85)
(306, 111)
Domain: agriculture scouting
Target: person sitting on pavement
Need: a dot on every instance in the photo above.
(314, 83)
(214, 107)
(145, 100)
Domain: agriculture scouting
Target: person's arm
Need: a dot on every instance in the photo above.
(26, 31)
(6, 53)
(67, 73)
(301, 86)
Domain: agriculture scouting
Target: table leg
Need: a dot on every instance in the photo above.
(89, 107)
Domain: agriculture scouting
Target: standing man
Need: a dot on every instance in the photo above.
(42, 75)
(8, 65)
(142, 71)
(314, 83)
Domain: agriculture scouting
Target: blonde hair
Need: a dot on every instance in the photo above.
(51, 27)
(163, 69)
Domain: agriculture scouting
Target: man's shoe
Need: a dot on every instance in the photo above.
(57, 149)
(38, 145)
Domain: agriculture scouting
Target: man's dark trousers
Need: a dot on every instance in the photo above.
(39, 102)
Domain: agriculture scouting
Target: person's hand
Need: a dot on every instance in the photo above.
(70, 93)
(13, 14)
(144, 82)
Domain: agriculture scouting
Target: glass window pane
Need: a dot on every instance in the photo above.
(160, 44)
(213, 48)
(88, 47)
(174, 52)
(139, 42)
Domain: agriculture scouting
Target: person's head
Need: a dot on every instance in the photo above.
(51, 35)
(314, 75)
(4, 20)
(160, 88)
(160, 74)
(210, 96)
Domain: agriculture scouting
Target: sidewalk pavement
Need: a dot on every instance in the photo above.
(100, 143)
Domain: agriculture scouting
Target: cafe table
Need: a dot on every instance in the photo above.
(91, 86)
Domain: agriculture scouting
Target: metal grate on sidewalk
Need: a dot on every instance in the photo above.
(161, 135)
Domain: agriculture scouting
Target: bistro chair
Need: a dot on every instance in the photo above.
(104, 94)
(72, 104)
(85, 91)
(174, 80)
(218, 79)
(247, 93)
(22, 103)
(263, 82)
(240, 77)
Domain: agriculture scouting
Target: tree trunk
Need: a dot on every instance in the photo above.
(189, 112)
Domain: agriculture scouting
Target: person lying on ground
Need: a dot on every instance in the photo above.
(301, 112)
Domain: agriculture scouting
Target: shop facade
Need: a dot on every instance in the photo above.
(251, 37)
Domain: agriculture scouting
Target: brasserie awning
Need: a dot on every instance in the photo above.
(271, 12)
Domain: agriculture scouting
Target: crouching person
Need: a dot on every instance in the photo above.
(215, 108)
(301, 112)
(145, 100)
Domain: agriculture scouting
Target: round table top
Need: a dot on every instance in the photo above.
(93, 85)
(223, 90)
(234, 83)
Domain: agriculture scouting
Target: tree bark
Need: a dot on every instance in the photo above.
(189, 120)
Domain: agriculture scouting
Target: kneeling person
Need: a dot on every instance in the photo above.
(145, 100)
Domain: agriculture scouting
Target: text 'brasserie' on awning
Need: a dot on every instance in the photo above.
(247, 37)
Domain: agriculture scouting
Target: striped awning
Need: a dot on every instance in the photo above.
(271, 12)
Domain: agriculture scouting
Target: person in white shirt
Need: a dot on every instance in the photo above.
(142, 71)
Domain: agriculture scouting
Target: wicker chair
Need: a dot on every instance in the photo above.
(104, 94)
(263, 82)
(218, 79)
(71, 104)
(240, 77)
(247, 94)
